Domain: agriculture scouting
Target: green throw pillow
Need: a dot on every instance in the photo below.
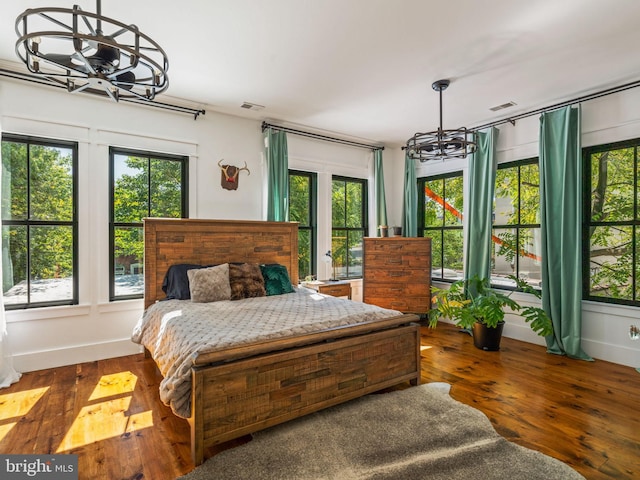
(276, 279)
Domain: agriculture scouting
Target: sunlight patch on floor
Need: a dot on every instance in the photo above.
(16, 405)
(109, 418)
(114, 384)
(4, 429)
(102, 421)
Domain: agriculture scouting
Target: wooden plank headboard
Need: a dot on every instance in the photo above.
(209, 242)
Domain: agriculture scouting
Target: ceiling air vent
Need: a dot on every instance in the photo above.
(252, 106)
(503, 106)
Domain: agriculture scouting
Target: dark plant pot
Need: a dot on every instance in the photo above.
(486, 338)
(397, 231)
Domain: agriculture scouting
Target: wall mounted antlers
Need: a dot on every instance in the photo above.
(229, 175)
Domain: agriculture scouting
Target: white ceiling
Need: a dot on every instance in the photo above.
(364, 68)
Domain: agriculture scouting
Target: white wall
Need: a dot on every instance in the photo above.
(609, 119)
(328, 159)
(96, 328)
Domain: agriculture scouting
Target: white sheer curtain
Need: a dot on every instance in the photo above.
(7, 373)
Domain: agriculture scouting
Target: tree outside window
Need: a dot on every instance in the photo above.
(440, 215)
(39, 224)
(349, 225)
(143, 184)
(611, 240)
(302, 209)
(516, 224)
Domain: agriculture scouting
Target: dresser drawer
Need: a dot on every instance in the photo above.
(403, 304)
(339, 290)
(405, 246)
(390, 290)
(397, 273)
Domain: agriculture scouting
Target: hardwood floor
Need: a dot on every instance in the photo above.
(108, 412)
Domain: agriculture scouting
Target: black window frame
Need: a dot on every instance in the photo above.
(150, 155)
(73, 223)
(423, 230)
(364, 228)
(517, 226)
(587, 222)
(312, 227)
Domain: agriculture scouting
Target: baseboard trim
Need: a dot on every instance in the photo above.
(32, 361)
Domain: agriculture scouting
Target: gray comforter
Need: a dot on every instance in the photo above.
(176, 332)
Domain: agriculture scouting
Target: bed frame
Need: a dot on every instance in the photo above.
(249, 388)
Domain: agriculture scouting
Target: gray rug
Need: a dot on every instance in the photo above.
(418, 433)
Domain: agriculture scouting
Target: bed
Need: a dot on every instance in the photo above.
(243, 388)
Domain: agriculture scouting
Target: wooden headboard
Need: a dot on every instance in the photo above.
(209, 242)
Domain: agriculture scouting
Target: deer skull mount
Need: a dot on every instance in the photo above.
(229, 175)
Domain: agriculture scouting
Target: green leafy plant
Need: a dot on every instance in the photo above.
(474, 300)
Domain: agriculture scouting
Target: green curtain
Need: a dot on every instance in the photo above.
(560, 217)
(277, 176)
(479, 207)
(410, 203)
(381, 201)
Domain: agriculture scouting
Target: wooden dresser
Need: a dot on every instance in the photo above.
(397, 273)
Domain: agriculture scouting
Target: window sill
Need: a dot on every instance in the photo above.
(44, 313)
(121, 305)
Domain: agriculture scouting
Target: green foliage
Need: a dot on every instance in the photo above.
(442, 225)
(474, 300)
(299, 199)
(143, 188)
(433, 211)
(516, 216)
(613, 196)
(508, 247)
(300, 211)
(38, 185)
(347, 200)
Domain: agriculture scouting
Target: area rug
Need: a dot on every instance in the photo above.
(417, 433)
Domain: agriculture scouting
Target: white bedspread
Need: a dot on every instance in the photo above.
(177, 331)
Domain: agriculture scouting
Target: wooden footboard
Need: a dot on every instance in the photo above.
(242, 397)
(274, 381)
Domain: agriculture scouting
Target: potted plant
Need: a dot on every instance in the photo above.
(474, 305)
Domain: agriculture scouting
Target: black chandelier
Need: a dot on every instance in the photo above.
(441, 143)
(88, 52)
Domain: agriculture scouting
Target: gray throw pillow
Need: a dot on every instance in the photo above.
(209, 284)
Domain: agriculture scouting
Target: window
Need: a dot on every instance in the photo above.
(440, 217)
(516, 224)
(302, 209)
(143, 184)
(39, 222)
(349, 225)
(611, 267)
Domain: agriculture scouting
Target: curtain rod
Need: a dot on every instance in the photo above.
(302, 133)
(165, 106)
(584, 98)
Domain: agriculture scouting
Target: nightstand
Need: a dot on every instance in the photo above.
(340, 288)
